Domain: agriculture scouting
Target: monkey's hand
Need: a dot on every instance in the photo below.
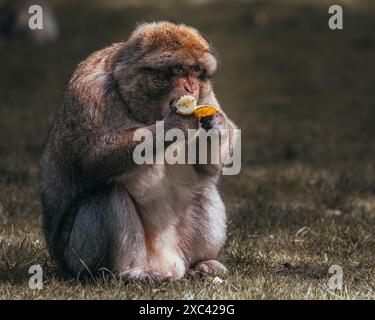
(176, 121)
(216, 121)
(221, 129)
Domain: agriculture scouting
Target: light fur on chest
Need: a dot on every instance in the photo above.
(162, 193)
(177, 231)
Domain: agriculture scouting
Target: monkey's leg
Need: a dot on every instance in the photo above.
(129, 255)
(213, 224)
(87, 247)
(107, 233)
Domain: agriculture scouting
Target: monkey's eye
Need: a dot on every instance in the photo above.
(197, 69)
(178, 70)
(199, 72)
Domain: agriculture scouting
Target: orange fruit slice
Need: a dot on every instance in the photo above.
(205, 111)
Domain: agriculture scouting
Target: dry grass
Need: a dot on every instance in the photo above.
(304, 98)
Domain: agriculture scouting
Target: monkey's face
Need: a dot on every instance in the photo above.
(158, 88)
(168, 61)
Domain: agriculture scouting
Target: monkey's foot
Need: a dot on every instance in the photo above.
(213, 267)
(143, 275)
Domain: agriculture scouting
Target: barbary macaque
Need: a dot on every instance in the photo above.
(101, 209)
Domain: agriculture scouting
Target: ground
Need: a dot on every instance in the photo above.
(303, 96)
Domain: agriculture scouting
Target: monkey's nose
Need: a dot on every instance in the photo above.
(191, 85)
(189, 89)
(192, 91)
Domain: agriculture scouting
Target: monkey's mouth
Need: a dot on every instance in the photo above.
(173, 102)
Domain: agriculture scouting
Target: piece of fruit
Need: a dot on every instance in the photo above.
(204, 111)
(186, 105)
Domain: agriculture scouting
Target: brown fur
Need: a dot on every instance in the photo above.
(102, 210)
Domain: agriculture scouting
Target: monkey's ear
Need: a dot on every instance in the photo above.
(127, 56)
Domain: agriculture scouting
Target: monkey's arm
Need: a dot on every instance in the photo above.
(107, 150)
(108, 154)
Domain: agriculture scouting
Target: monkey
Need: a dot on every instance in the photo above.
(148, 222)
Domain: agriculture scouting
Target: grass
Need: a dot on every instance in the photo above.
(304, 98)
